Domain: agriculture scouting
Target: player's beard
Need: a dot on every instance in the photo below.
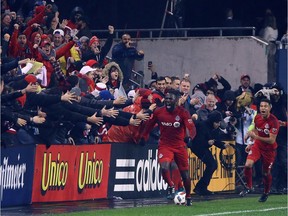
(170, 107)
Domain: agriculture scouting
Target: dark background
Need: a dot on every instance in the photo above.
(131, 14)
(137, 14)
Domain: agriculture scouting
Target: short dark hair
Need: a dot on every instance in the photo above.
(160, 78)
(177, 93)
(174, 78)
(266, 100)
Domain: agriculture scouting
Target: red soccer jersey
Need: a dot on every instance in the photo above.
(172, 126)
(264, 127)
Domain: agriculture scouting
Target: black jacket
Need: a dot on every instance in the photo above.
(205, 132)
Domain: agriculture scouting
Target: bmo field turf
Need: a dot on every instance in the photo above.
(275, 205)
(219, 204)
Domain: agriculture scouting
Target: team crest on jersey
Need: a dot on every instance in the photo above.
(176, 124)
(177, 118)
(266, 125)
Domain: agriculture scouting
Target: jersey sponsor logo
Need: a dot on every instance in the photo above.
(176, 124)
(168, 124)
(266, 131)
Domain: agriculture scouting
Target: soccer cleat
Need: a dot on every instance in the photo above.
(263, 198)
(245, 192)
(188, 201)
(202, 192)
(171, 193)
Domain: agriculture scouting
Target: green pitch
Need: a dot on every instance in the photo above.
(275, 205)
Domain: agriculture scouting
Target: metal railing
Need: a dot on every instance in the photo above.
(138, 79)
(179, 32)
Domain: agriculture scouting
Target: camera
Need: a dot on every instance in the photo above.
(230, 128)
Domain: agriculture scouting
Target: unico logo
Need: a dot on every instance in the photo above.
(148, 174)
(54, 173)
(90, 171)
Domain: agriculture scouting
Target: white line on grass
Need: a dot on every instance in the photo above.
(244, 211)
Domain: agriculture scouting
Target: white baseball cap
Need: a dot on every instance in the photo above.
(58, 31)
(86, 69)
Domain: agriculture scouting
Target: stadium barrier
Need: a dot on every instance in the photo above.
(31, 174)
(223, 178)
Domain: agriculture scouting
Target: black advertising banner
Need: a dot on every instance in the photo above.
(135, 172)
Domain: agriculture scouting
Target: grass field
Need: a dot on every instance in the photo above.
(276, 205)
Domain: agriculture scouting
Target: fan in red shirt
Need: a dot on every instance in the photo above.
(176, 128)
(264, 136)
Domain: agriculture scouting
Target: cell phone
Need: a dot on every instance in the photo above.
(150, 64)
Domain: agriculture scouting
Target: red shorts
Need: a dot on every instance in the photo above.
(267, 156)
(168, 154)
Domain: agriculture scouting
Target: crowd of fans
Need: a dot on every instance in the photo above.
(58, 86)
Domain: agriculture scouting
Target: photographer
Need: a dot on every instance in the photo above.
(124, 53)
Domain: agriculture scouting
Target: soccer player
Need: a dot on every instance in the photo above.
(176, 128)
(264, 135)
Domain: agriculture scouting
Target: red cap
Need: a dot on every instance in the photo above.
(44, 43)
(245, 76)
(91, 63)
(92, 40)
(44, 36)
(144, 92)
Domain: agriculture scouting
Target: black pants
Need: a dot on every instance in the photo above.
(211, 165)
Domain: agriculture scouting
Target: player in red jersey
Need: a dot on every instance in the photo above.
(176, 130)
(264, 136)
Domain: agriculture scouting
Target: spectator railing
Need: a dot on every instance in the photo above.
(138, 79)
(177, 32)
